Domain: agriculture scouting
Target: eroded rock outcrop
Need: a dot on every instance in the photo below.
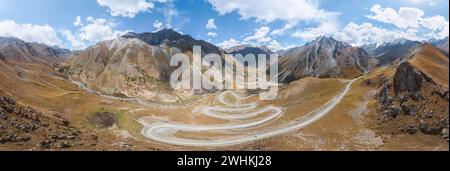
(2, 57)
(24, 126)
(408, 79)
(414, 103)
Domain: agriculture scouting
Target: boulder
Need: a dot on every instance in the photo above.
(12, 137)
(410, 129)
(429, 128)
(3, 114)
(384, 97)
(392, 111)
(406, 108)
(407, 79)
(444, 133)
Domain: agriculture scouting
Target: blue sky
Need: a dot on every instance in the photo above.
(277, 24)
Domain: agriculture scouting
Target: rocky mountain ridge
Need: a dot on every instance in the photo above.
(323, 57)
(16, 49)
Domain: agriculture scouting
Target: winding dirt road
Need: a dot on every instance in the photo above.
(241, 117)
(164, 132)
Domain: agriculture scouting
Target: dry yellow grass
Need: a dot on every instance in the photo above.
(433, 63)
(336, 131)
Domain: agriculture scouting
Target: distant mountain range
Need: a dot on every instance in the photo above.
(142, 59)
(442, 44)
(283, 51)
(16, 49)
(399, 49)
(390, 51)
(247, 49)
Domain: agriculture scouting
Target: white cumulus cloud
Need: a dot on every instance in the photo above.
(94, 30)
(158, 25)
(78, 21)
(212, 34)
(284, 29)
(409, 23)
(229, 43)
(290, 11)
(170, 12)
(324, 29)
(260, 36)
(367, 33)
(30, 32)
(269, 10)
(274, 46)
(211, 24)
(98, 30)
(74, 42)
(128, 8)
(405, 17)
(408, 20)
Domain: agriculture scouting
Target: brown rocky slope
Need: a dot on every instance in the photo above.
(324, 57)
(416, 98)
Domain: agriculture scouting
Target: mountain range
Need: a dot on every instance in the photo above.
(248, 49)
(134, 64)
(140, 61)
(13, 48)
(324, 57)
(441, 44)
(123, 85)
(391, 51)
(171, 38)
